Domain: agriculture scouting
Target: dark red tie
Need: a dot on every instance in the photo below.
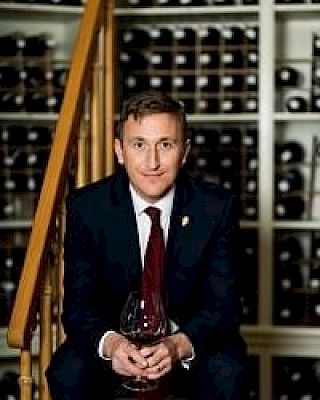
(152, 277)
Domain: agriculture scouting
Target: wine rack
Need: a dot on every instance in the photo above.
(35, 46)
(270, 155)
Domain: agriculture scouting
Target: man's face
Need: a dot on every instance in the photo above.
(152, 151)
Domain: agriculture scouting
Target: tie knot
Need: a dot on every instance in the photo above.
(154, 214)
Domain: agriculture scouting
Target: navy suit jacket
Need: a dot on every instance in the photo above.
(102, 262)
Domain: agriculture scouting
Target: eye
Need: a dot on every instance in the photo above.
(138, 144)
(166, 145)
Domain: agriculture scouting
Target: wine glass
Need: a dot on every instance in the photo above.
(143, 322)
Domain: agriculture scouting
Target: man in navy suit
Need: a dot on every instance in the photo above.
(203, 357)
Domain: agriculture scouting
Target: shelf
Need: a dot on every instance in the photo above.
(23, 116)
(243, 117)
(174, 12)
(16, 224)
(48, 12)
(296, 224)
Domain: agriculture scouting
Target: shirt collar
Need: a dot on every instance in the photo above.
(164, 204)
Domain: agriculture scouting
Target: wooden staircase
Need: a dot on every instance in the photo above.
(82, 152)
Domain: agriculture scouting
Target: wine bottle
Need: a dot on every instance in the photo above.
(290, 278)
(289, 310)
(39, 135)
(204, 163)
(250, 138)
(134, 37)
(59, 77)
(185, 36)
(232, 59)
(251, 163)
(289, 207)
(252, 59)
(185, 60)
(209, 36)
(166, 3)
(288, 250)
(315, 248)
(231, 83)
(209, 59)
(251, 82)
(183, 83)
(38, 45)
(251, 33)
(136, 83)
(161, 60)
(207, 106)
(139, 3)
(13, 135)
(228, 160)
(37, 76)
(10, 76)
(316, 46)
(289, 152)
(315, 104)
(250, 104)
(223, 2)
(230, 138)
(314, 277)
(231, 105)
(188, 105)
(11, 44)
(11, 101)
(132, 60)
(159, 82)
(208, 83)
(296, 104)
(40, 102)
(9, 385)
(161, 36)
(287, 76)
(290, 180)
(204, 139)
(232, 35)
(33, 182)
(251, 184)
(36, 159)
(249, 209)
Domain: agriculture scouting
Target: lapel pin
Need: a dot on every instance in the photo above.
(185, 220)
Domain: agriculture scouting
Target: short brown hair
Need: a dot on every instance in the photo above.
(151, 102)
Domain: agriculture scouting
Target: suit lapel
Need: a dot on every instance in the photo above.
(126, 233)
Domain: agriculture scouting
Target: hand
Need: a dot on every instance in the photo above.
(162, 357)
(125, 357)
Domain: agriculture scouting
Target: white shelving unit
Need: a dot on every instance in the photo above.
(284, 37)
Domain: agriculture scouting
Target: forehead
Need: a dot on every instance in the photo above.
(151, 125)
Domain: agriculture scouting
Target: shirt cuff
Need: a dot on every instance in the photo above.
(100, 346)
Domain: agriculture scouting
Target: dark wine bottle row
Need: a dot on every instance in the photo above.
(52, 2)
(19, 43)
(33, 101)
(297, 278)
(296, 378)
(22, 135)
(183, 3)
(31, 76)
(149, 36)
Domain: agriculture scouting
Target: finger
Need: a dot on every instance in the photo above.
(136, 357)
(157, 372)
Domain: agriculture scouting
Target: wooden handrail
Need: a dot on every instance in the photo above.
(23, 314)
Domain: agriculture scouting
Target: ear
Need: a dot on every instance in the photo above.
(118, 150)
(187, 148)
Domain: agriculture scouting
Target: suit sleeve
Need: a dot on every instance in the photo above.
(217, 316)
(83, 319)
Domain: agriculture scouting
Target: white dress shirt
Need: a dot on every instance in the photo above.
(144, 227)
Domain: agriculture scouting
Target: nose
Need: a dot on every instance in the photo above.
(153, 158)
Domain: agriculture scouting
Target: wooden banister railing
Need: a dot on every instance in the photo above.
(82, 151)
